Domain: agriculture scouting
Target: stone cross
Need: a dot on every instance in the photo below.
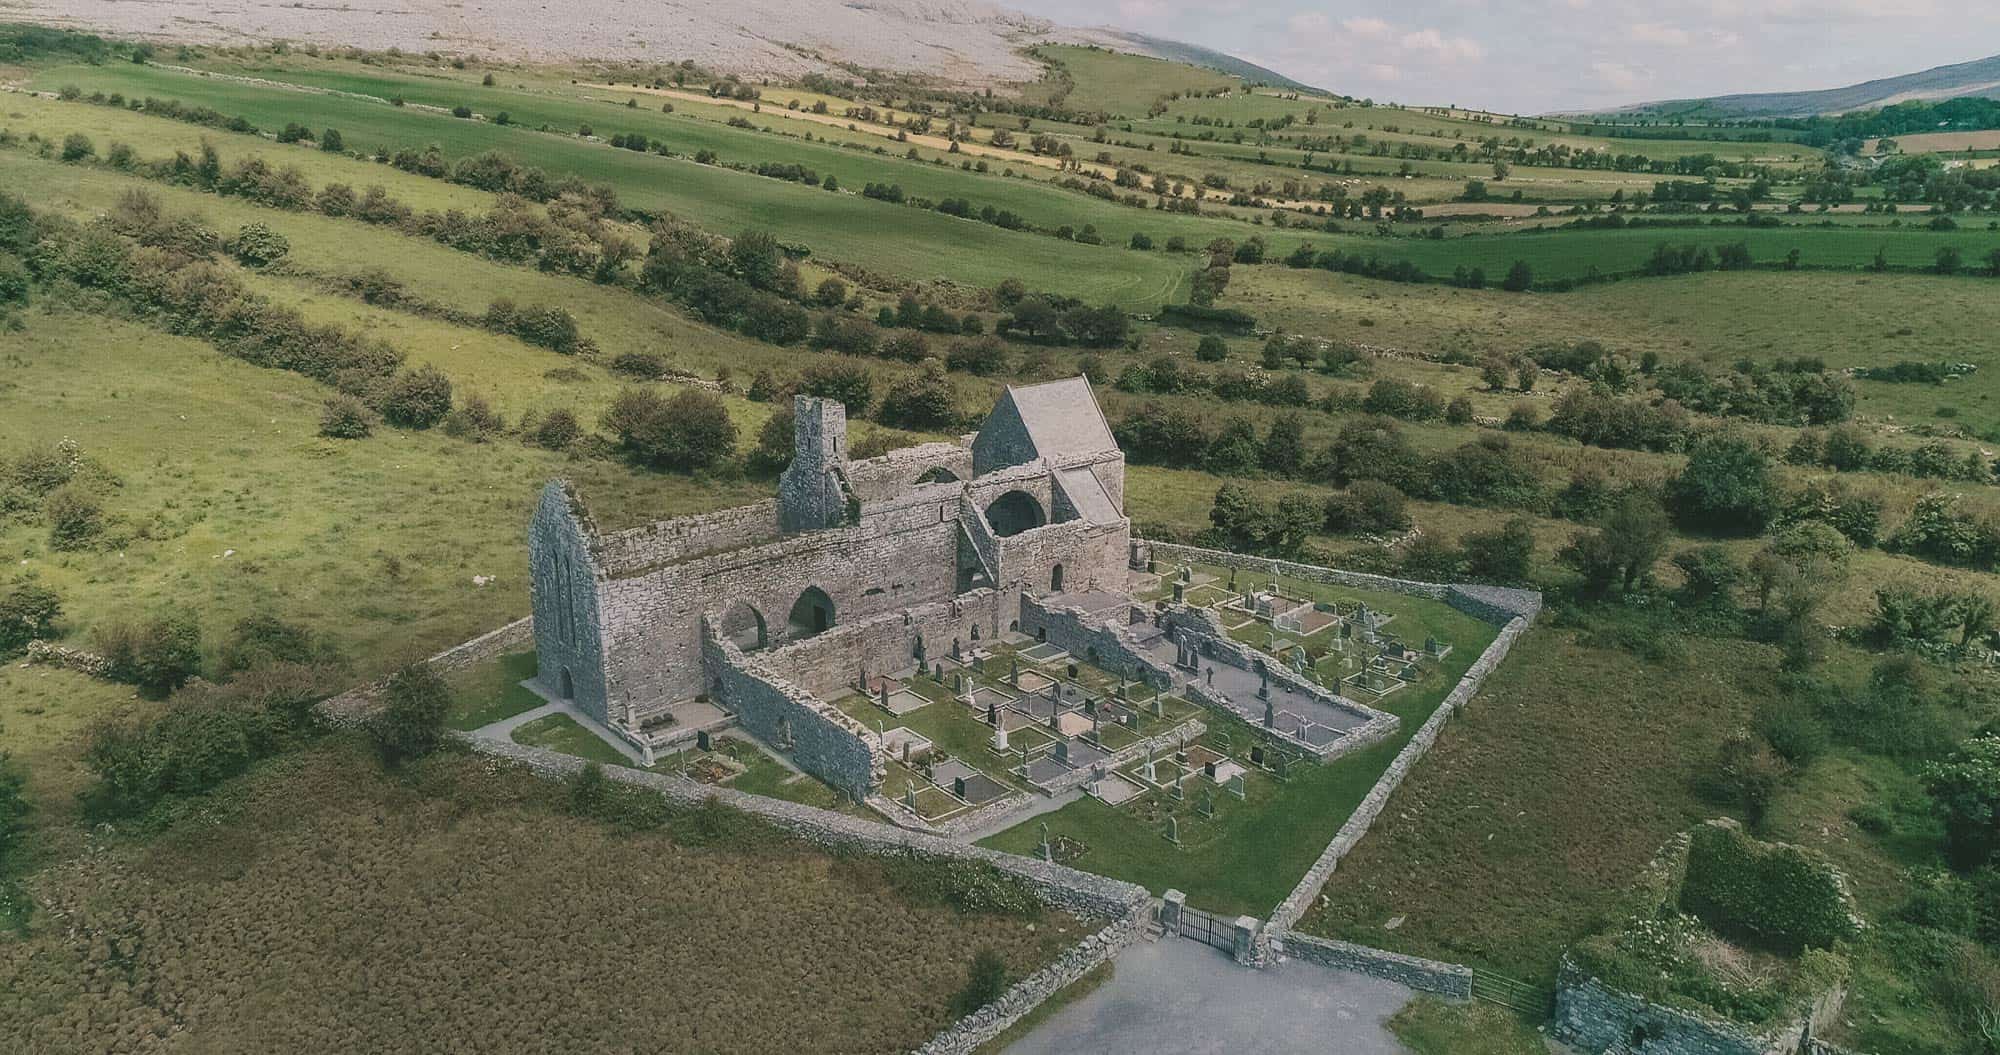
(1048, 849)
(1263, 682)
(1270, 711)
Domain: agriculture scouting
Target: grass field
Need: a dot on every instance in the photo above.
(310, 910)
(843, 226)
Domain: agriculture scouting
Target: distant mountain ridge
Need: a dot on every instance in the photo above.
(965, 43)
(1979, 78)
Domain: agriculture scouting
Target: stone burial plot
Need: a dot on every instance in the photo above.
(307, 914)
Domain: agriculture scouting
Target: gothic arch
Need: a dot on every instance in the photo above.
(744, 626)
(1015, 512)
(812, 613)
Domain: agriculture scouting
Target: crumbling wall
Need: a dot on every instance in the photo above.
(1494, 604)
(562, 577)
(630, 552)
(821, 740)
(1108, 644)
(830, 664)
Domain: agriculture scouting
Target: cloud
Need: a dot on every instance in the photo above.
(1449, 47)
(1618, 76)
(1366, 27)
(1655, 33)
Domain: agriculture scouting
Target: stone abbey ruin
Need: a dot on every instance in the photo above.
(891, 582)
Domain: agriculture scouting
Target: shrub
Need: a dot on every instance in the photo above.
(1502, 555)
(1966, 788)
(346, 418)
(1458, 411)
(261, 639)
(159, 655)
(984, 983)
(28, 612)
(1212, 349)
(1782, 897)
(924, 400)
(647, 366)
(851, 383)
(686, 431)
(1726, 488)
(410, 724)
(258, 245)
(474, 419)
(982, 357)
(557, 430)
(77, 147)
(76, 518)
(417, 399)
(14, 809)
(191, 748)
(1367, 507)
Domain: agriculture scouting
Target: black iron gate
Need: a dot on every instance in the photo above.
(1210, 930)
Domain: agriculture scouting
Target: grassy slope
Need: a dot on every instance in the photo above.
(1539, 803)
(839, 226)
(374, 541)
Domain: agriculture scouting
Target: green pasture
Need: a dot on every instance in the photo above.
(1124, 84)
(839, 226)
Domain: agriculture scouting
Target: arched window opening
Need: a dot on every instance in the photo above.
(812, 613)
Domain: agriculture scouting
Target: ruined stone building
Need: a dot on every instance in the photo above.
(856, 566)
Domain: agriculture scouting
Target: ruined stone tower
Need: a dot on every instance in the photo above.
(813, 493)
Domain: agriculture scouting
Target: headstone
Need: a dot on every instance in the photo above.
(1187, 574)
(993, 713)
(1062, 751)
(937, 672)
(1180, 593)
(882, 693)
(1014, 675)
(1263, 682)
(1257, 754)
(1159, 705)
(1270, 713)
(919, 653)
(1207, 804)
(1000, 737)
(1174, 829)
(1236, 787)
(1048, 850)
(702, 741)
(910, 796)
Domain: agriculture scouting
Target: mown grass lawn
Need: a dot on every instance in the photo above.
(560, 732)
(489, 692)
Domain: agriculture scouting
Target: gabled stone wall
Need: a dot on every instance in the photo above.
(562, 577)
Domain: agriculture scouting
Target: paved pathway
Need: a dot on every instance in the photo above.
(504, 728)
(1176, 996)
(1038, 805)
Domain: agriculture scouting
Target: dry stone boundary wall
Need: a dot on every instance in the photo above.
(1427, 976)
(1495, 604)
(1294, 906)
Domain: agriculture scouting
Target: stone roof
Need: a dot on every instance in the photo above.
(1062, 417)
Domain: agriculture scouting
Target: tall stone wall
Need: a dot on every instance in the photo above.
(1108, 644)
(568, 621)
(827, 665)
(1092, 557)
(824, 742)
(631, 552)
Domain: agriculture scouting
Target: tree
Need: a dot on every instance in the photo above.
(159, 655)
(1708, 577)
(923, 400)
(77, 147)
(686, 431)
(1283, 452)
(1520, 278)
(1727, 488)
(417, 399)
(1368, 507)
(1622, 551)
(331, 142)
(1966, 790)
(1212, 349)
(847, 382)
(1494, 373)
(410, 724)
(76, 518)
(1950, 261)
(258, 245)
(755, 258)
(1502, 555)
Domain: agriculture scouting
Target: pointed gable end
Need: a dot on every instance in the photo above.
(1054, 420)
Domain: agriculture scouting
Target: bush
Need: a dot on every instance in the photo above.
(686, 431)
(925, 400)
(557, 430)
(1367, 507)
(850, 383)
(1727, 488)
(417, 399)
(76, 518)
(258, 245)
(984, 983)
(1502, 555)
(159, 655)
(982, 357)
(258, 640)
(346, 418)
(410, 724)
(77, 147)
(474, 419)
(1212, 349)
(191, 748)
(646, 366)
(14, 809)
(1781, 897)
(28, 612)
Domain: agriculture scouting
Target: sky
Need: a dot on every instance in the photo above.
(1537, 56)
